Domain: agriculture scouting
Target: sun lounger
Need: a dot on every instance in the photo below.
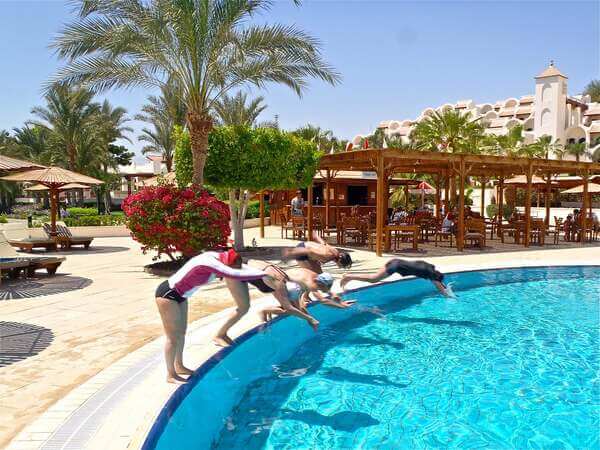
(12, 267)
(30, 263)
(28, 244)
(65, 238)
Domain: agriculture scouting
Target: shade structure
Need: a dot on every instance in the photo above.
(168, 178)
(8, 164)
(593, 188)
(54, 178)
(66, 187)
(423, 188)
(522, 179)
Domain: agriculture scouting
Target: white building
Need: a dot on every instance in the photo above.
(549, 111)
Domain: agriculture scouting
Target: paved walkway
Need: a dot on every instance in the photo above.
(61, 331)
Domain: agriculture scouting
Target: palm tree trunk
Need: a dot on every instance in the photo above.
(72, 152)
(169, 163)
(200, 126)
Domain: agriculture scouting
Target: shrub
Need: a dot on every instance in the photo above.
(3, 219)
(253, 210)
(169, 219)
(94, 221)
(78, 212)
(492, 211)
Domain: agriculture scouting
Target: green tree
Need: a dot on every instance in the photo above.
(68, 113)
(237, 110)
(208, 47)
(33, 143)
(447, 131)
(544, 147)
(593, 90)
(508, 144)
(245, 161)
(184, 171)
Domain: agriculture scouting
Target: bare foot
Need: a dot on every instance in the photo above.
(176, 379)
(184, 370)
(222, 341)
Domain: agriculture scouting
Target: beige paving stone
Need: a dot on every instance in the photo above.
(114, 314)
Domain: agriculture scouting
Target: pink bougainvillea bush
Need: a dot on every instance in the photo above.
(168, 219)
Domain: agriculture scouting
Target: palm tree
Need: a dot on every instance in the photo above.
(34, 143)
(235, 111)
(508, 144)
(596, 155)
(578, 150)
(543, 147)
(447, 131)
(208, 47)
(163, 113)
(593, 90)
(314, 133)
(69, 110)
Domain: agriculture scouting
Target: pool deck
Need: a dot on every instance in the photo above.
(97, 381)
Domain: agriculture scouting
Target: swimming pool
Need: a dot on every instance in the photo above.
(512, 363)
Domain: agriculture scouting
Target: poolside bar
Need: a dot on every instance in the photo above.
(388, 162)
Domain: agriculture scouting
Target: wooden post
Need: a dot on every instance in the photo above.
(500, 202)
(309, 212)
(438, 196)
(380, 213)
(547, 198)
(460, 237)
(483, 181)
(327, 201)
(527, 237)
(53, 208)
(583, 214)
(406, 196)
(447, 193)
(261, 210)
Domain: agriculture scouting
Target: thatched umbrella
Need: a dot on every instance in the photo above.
(168, 178)
(66, 187)
(593, 188)
(9, 165)
(54, 178)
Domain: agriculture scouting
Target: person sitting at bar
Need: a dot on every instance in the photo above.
(568, 227)
(297, 204)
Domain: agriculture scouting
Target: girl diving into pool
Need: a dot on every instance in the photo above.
(299, 283)
(311, 255)
(172, 295)
(420, 269)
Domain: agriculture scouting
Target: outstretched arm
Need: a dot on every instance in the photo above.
(369, 278)
(441, 288)
(333, 300)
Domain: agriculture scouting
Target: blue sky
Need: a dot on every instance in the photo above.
(396, 57)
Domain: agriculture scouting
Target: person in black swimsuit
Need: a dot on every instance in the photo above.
(419, 269)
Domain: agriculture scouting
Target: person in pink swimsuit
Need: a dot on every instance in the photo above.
(172, 295)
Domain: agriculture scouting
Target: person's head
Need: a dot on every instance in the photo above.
(344, 260)
(575, 211)
(438, 276)
(231, 258)
(299, 193)
(324, 281)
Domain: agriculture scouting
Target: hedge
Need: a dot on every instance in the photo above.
(94, 221)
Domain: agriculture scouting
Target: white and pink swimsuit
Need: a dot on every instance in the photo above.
(201, 269)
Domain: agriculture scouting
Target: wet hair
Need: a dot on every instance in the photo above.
(438, 276)
(344, 260)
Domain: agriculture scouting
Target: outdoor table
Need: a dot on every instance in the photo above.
(414, 229)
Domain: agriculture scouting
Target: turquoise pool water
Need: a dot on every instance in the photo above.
(514, 362)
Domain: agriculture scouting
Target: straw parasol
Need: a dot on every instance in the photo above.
(522, 180)
(8, 165)
(593, 188)
(66, 187)
(168, 178)
(54, 178)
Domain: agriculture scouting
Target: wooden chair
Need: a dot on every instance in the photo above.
(298, 227)
(442, 235)
(65, 238)
(286, 224)
(475, 232)
(538, 231)
(554, 231)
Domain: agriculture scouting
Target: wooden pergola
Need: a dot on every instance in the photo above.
(446, 166)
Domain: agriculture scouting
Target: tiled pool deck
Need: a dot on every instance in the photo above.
(100, 382)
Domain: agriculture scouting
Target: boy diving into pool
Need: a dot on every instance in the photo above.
(419, 269)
